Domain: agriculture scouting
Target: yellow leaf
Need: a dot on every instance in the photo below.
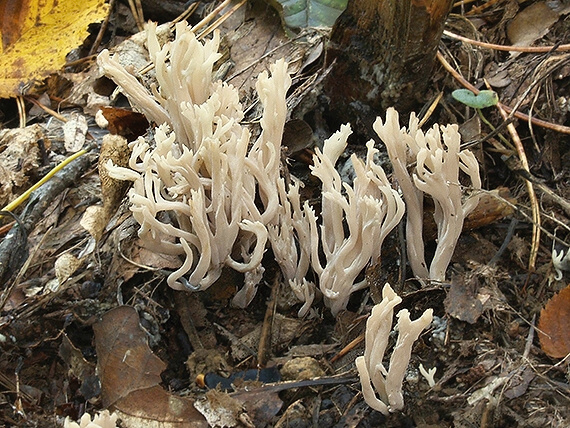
(36, 36)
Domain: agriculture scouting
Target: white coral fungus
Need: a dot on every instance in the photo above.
(373, 375)
(438, 161)
(194, 191)
(370, 210)
(101, 420)
(203, 191)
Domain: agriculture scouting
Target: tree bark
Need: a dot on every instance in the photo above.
(384, 53)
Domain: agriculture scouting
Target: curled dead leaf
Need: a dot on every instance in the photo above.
(96, 217)
(65, 266)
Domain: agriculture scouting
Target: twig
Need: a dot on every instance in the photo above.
(15, 203)
(182, 307)
(347, 348)
(430, 109)
(102, 30)
(21, 111)
(282, 386)
(515, 166)
(506, 241)
(549, 125)
(527, 49)
(136, 10)
(530, 188)
(220, 20)
(5, 228)
(519, 210)
(47, 109)
(189, 11)
(529, 339)
(233, 339)
(210, 16)
(266, 329)
(481, 8)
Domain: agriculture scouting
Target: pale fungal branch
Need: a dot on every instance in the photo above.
(195, 191)
(428, 374)
(388, 383)
(291, 244)
(103, 419)
(402, 148)
(560, 262)
(203, 191)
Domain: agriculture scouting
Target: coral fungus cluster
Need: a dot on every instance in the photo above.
(205, 190)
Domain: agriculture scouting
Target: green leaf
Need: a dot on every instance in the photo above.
(482, 100)
(309, 13)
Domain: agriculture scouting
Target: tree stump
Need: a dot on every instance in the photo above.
(384, 52)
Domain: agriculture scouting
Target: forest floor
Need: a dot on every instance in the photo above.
(73, 309)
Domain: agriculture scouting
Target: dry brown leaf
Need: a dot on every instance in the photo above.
(534, 22)
(260, 34)
(123, 122)
(36, 37)
(461, 301)
(130, 376)
(494, 205)
(554, 325)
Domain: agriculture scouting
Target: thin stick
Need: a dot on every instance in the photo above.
(210, 16)
(481, 8)
(183, 309)
(21, 111)
(266, 330)
(12, 205)
(4, 229)
(137, 13)
(549, 125)
(189, 11)
(527, 49)
(220, 20)
(531, 193)
(102, 30)
(348, 348)
(47, 109)
(431, 109)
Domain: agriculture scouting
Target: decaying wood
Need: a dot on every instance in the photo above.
(384, 51)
